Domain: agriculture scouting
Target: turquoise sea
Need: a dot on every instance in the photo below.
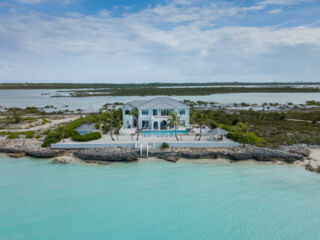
(157, 200)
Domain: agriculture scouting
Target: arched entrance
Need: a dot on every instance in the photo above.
(163, 124)
(155, 125)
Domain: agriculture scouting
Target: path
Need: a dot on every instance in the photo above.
(45, 126)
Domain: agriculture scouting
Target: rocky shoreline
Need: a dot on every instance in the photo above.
(233, 154)
(297, 154)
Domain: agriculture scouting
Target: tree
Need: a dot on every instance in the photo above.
(174, 120)
(135, 113)
(112, 119)
(201, 120)
(243, 129)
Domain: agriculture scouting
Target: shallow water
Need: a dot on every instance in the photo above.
(157, 200)
(28, 98)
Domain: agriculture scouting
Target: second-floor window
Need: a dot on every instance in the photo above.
(166, 112)
(145, 112)
(182, 111)
(155, 112)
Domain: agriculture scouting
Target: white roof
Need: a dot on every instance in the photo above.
(87, 127)
(157, 103)
(218, 131)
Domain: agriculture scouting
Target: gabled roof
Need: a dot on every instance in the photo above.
(157, 103)
(218, 131)
(85, 128)
(134, 104)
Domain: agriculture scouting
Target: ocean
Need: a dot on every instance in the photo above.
(155, 199)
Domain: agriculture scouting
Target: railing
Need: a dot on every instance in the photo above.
(137, 145)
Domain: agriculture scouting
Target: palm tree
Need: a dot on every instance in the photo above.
(135, 113)
(243, 129)
(112, 119)
(109, 121)
(174, 120)
(201, 119)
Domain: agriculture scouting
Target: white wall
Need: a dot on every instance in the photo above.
(148, 117)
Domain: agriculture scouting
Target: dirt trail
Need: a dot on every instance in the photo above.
(45, 126)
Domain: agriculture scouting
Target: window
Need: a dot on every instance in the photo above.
(145, 124)
(182, 111)
(155, 112)
(166, 112)
(127, 112)
(183, 123)
(145, 112)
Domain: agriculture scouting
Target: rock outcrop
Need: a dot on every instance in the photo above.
(234, 154)
(32, 151)
(106, 154)
(300, 149)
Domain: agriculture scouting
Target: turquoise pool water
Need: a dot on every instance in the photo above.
(157, 200)
(163, 132)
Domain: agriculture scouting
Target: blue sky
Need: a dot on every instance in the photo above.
(152, 41)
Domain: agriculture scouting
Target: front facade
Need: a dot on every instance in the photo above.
(154, 114)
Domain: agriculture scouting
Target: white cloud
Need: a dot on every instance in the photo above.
(165, 43)
(265, 3)
(276, 11)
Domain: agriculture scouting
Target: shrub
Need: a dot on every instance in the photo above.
(13, 136)
(212, 124)
(87, 137)
(52, 137)
(235, 121)
(29, 134)
(164, 145)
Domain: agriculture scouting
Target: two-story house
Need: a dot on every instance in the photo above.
(154, 113)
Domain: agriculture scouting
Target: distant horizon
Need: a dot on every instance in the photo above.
(163, 83)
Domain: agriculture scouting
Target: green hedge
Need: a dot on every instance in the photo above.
(87, 137)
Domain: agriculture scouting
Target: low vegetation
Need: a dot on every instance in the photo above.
(164, 145)
(271, 129)
(183, 91)
(14, 135)
(110, 121)
(87, 137)
(143, 85)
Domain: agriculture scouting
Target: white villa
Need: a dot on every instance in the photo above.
(154, 113)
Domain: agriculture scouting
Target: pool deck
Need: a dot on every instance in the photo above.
(129, 141)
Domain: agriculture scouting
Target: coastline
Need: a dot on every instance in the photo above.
(307, 157)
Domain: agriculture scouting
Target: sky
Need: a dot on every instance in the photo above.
(138, 41)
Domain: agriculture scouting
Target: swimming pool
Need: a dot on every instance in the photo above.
(163, 132)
